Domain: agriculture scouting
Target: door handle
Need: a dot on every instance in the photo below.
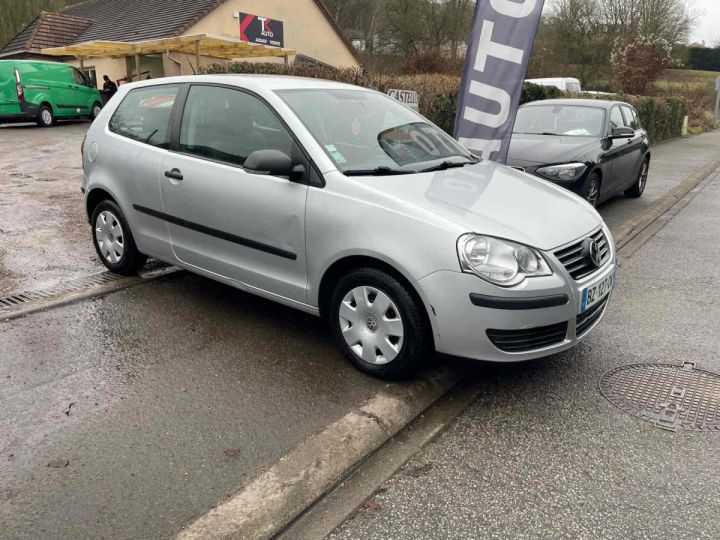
(175, 174)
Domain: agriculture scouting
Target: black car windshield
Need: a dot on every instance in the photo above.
(365, 131)
(566, 120)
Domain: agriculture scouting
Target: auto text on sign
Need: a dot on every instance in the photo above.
(261, 30)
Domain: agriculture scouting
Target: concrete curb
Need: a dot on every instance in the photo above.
(630, 229)
(286, 489)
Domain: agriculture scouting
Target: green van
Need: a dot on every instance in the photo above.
(44, 92)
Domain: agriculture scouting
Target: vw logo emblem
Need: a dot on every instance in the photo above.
(591, 252)
(372, 324)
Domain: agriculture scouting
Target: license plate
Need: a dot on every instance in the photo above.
(594, 293)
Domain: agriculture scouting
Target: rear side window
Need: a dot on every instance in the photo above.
(227, 125)
(144, 115)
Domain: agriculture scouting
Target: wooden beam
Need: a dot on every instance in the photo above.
(137, 66)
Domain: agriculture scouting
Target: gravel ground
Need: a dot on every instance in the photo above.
(44, 231)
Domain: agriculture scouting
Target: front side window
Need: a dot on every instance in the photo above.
(565, 120)
(228, 125)
(631, 119)
(616, 118)
(363, 130)
(79, 77)
(144, 115)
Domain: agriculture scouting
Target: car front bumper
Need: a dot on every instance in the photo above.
(477, 320)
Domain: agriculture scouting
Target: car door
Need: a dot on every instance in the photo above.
(636, 144)
(59, 80)
(620, 155)
(223, 219)
(84, 93)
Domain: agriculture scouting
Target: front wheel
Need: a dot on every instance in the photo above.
(591, 189)
(638, 187)
(114, 243)
(96, 108)
(378, 324)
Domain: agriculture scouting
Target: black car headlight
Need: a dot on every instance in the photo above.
(566, 172)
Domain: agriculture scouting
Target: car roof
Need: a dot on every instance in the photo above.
(253, 82)
(579, 102)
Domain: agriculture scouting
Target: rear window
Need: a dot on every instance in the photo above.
(144, 115)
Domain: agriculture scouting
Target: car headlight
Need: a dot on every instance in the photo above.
(565, 172)
(498, 261)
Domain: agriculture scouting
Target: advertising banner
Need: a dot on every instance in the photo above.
(498, 54)
(262, 30)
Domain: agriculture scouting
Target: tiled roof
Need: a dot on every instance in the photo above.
(47, 30)
(138, 20)
(120, 20)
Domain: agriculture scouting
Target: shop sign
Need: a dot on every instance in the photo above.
(261, 30)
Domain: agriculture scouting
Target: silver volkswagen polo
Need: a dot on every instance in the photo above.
(341, 202)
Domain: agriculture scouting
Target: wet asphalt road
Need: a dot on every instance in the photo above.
(541, 453)
(165, 398)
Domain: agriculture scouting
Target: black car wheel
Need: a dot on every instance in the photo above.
(591, 189)
(639, 186)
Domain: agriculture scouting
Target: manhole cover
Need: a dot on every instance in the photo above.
(669, 396)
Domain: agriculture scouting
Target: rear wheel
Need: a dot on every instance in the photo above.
(45, 118)
(639, 186)
(114, 243)
(378, 324)
(591, 189)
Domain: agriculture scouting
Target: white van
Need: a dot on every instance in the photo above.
(566, 84)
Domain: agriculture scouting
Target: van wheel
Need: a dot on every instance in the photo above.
(113, 241)
(46, 118)
(96, 108)
(378, 325)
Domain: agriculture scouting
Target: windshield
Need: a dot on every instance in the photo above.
(367, 131)
(567, 120)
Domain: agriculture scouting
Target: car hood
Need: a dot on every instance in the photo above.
(540, 149)
(490, 199)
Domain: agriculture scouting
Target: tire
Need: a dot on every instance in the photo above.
(113, 241)
(591, 189)
(96, 108)
(45, 118)
(638, 187)
(392, 344)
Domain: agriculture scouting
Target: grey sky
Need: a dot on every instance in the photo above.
(708, 27)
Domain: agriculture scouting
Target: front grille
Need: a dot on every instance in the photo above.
(528, 339)
(572, 258)
(590, 317)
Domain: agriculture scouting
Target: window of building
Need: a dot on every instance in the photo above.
(144, 115)
(228, 125)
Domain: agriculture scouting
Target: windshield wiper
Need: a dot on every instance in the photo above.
(377, 171)
(448, 165)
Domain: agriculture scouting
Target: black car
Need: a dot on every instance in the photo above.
(594, 148)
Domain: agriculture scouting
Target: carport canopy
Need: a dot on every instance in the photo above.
(197, 44)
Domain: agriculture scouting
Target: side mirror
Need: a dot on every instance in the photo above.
(622, 133)
(275, 163)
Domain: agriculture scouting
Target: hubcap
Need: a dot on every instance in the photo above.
(109, 237)
(371, 325)
(47, 117)
(96, 111)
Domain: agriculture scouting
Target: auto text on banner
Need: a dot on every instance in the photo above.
(498, 54)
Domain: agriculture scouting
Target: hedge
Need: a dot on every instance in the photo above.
(438, 93)
(704, 59)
